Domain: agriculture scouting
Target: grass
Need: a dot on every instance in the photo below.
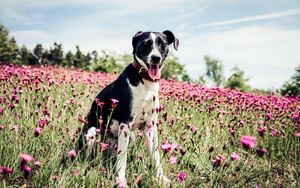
(196, 124)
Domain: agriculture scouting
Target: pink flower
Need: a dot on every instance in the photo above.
(75, 172)
(181, 177)
(261, 131)
(262, 151)
(38, 131)
(15, 128)
(42, 122)
(297, 134)
(15, 98)
(218, 161)
(232, 131)
(46, 112)
(274, 132)
(161, 107)
(114, 103)
(99, 103)
(39, 104)
(243, 122)
(1, 127)
(140, 134)
(103, 146)
(295, 117)
(194, 129)
(248, 141)
(1, 111)
(72, 154)
(5, 170)
(269, 116)
(174, 146)
(173, 160)
(26, 169)
(37, 163)
(26, 157)
(54, 178)
(234, 156)
(166, 147)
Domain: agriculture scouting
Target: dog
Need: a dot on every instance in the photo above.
(131, 101)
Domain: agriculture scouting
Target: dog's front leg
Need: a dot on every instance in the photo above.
(152, 140)
(123, 139)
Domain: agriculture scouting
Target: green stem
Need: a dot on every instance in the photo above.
(107, 123)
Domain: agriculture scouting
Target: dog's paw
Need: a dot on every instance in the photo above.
(121, 183)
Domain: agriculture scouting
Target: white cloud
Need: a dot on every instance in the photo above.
(32, 37)
(284, 13)
(267, 54)
(17, 17)
(88, 38)
(134, 5)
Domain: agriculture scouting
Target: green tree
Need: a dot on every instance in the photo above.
(237, 80)
(87, 60)
(127, 59)
(46, 55)
(124, 60)
(94, 56)
(292, 87)
(173, 69)
(201, 79)
(214, 70)
(24, 55)
(38, 53)
(8, 46)
(107, 63)
(55, 55)
(69, 59)
(80, 59)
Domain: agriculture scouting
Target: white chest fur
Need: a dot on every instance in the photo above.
(144, 101)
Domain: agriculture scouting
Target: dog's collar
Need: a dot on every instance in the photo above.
(143, 71)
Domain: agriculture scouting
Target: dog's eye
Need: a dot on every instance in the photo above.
(163, 47)
(148, 43)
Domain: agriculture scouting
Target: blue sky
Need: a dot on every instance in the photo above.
(260, 36)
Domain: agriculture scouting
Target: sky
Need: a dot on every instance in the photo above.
(262, 37)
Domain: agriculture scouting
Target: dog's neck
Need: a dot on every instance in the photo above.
(142, 72)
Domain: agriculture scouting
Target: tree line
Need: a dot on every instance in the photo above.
(55, 55)
(10, 52)
(238, 81)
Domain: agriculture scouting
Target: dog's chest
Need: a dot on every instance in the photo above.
(144, 102)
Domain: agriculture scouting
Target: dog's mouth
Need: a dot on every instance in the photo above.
(154, 72)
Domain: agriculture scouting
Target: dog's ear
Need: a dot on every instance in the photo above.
(171, 39)
(135, 40)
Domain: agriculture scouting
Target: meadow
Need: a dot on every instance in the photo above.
(209, 137)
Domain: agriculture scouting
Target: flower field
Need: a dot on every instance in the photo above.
(209, 137)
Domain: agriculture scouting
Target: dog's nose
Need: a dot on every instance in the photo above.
(155, 59)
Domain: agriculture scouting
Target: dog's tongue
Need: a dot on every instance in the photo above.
(154, 72)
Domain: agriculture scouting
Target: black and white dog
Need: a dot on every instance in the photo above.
(136, 90)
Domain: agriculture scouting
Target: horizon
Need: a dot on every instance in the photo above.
(261, 37)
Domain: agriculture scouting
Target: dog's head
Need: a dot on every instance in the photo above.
(150, 49)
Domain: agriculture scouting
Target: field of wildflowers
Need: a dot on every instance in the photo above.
(209, 137)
